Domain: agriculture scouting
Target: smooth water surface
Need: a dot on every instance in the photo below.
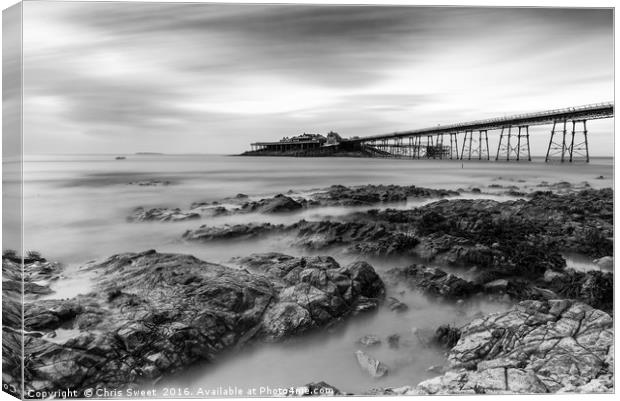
(75, 210)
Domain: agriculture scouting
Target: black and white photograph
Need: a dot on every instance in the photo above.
(238, 200)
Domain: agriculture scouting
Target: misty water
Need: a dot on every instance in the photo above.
(75, 210)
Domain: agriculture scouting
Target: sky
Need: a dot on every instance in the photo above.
(212, 78)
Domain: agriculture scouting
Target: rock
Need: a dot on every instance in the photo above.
(433, 281)
(370, 365)
(339, 195)
(395, 305)
(320, 389)
(539, 346)
(150, 183)
(152, 314)
(228, 232)
(447, 336)
(367, 238)
(369, 341)
(592, 287)
(497, 285)
(161, 214)
(551, 275)
(278, 204)
(605, 263)
(393, 340)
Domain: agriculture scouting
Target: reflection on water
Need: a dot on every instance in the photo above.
(75, 210)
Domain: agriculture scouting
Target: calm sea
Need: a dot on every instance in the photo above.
(75, 208)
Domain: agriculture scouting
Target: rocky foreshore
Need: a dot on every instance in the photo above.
(537, 347)
(151, 314)
(511, 248)
(336, 195)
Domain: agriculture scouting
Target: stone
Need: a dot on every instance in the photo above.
(393, 340)
(369, 341)
(605, 263)
(161, 214)
(373, 367)
(278, 204)
(537, 347)
(433, 281)
(152, 314)
(395, 305)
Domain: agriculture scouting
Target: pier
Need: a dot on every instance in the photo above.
(568, 139)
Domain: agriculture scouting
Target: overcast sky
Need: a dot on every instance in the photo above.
(203, 78)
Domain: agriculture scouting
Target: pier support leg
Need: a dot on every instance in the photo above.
(440, 145)
(486, 139)
(499, 146)
(579, 149)
(508, 148)
(454, 145)
(557, 148)
(505, 147)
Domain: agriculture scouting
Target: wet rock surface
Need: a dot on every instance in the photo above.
(30, 282)
(151, 314)
(278, 204)
(367, 195)
(161, 214)
(433, 281)
(227, 232)
(337, 195)
(537, 347)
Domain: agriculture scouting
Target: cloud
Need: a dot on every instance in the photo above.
(111, 77)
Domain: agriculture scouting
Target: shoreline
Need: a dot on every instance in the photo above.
(426, 231)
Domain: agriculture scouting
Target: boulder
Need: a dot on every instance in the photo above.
(161, 214)
(278, 204)
(539, 346)
(227, 232)
(433, 281)
(153, 314)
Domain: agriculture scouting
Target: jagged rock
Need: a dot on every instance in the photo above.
(365, 238)
(278, 204)
(433, 281)
(153, 314)
(339, 195)
(540, 346)
(447, 336)
(226, 232)
(592, 287)
(370, 365)
(22, 283)
(161, 214)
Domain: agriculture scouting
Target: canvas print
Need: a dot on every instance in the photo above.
(212, 200)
